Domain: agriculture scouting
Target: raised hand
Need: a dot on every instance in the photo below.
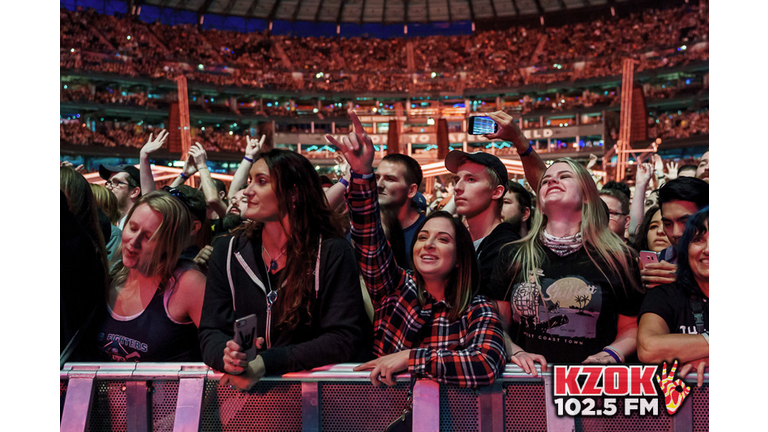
(343, 164)
(253, 146)
(153, 145)
(673, 397)
(357, 147)
(672, 170)
(592, 161)
(644, 174)
(199, 156)
(508, 130)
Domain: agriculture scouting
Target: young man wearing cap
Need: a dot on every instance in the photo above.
(124, 181)
(480, 184)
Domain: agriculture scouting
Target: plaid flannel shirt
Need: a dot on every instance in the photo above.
(468, 352)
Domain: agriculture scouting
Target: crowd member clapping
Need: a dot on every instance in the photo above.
(294, 270)
(674, 319)
(455, 337)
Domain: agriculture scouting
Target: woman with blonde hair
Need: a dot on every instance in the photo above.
(569, 288)
(154, 298)
(107, 202)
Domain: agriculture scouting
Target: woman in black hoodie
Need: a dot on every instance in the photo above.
(293, 268)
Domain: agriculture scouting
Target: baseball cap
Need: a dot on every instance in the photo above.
(454, 158)
(192, 198)
(106, 171)
(420, 201)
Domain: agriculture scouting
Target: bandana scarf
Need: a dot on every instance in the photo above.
(562, 246)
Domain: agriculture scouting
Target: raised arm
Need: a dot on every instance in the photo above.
(209, 189)
(379, 269)
(240, 178)
(335, 194)
(637, 208)
(187, 171)
(533, 166)
(145, 169)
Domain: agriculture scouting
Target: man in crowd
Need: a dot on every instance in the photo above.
(517, 209)
(398, 178)
(125, 182)
(678, 199)
(480, 184)
(702, 171)
(618, 211)
(687, 171)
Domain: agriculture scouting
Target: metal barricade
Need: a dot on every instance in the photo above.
(188, 397)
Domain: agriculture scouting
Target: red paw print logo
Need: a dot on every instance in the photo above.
(675, 390)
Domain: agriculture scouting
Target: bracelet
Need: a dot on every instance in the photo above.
(360, 176)
(706, 336)
(516, 353)
(527, 152)
(344, 182)
(614, 353)
(248, 159)
(183, 176)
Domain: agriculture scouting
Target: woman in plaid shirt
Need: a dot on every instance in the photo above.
(429, 323)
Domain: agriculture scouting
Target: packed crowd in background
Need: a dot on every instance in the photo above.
(125, 45)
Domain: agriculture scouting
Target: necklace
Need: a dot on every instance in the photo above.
(272, 262)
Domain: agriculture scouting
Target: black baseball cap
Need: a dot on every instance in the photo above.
(106, 171)
(455, 157)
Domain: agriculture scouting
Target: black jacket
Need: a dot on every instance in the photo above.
(488, 251)
(338, 331)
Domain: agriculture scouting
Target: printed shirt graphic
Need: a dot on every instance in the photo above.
(574, 313)
(148, 336)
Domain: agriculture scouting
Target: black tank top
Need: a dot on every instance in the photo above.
(151, 335)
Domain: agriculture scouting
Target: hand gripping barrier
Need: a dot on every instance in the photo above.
(187, 397)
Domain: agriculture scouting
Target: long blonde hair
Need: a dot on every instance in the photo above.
(169, 239)
(596, 236)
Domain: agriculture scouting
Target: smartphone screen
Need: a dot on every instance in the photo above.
(481, 125)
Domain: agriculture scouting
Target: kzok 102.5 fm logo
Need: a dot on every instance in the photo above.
(578, 390)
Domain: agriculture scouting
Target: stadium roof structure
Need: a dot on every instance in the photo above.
(393, 11)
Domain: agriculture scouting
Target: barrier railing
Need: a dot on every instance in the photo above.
(187, 397)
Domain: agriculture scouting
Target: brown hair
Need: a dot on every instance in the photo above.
(301, 198)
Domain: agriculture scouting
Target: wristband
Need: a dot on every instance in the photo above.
(613, 352)
(183, 176)
(344, 182)
(516, 353)
(527, 152)
(706, 336)
(360, 176)
(248, 159)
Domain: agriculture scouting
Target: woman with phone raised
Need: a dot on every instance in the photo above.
(291, 267)
(429, 323)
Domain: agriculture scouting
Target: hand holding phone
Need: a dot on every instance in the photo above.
(245, 335)
(482, 125)
(648, 257)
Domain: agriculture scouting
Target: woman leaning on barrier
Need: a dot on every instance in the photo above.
(569, 290)
(154, 298)
(674, 318)
(429, 323)
(291, 267)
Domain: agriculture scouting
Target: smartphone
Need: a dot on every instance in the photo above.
(245, 335)
(648, 257)
(481, 125)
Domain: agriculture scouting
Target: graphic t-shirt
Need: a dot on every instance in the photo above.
(673, 304)
(573, 313)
